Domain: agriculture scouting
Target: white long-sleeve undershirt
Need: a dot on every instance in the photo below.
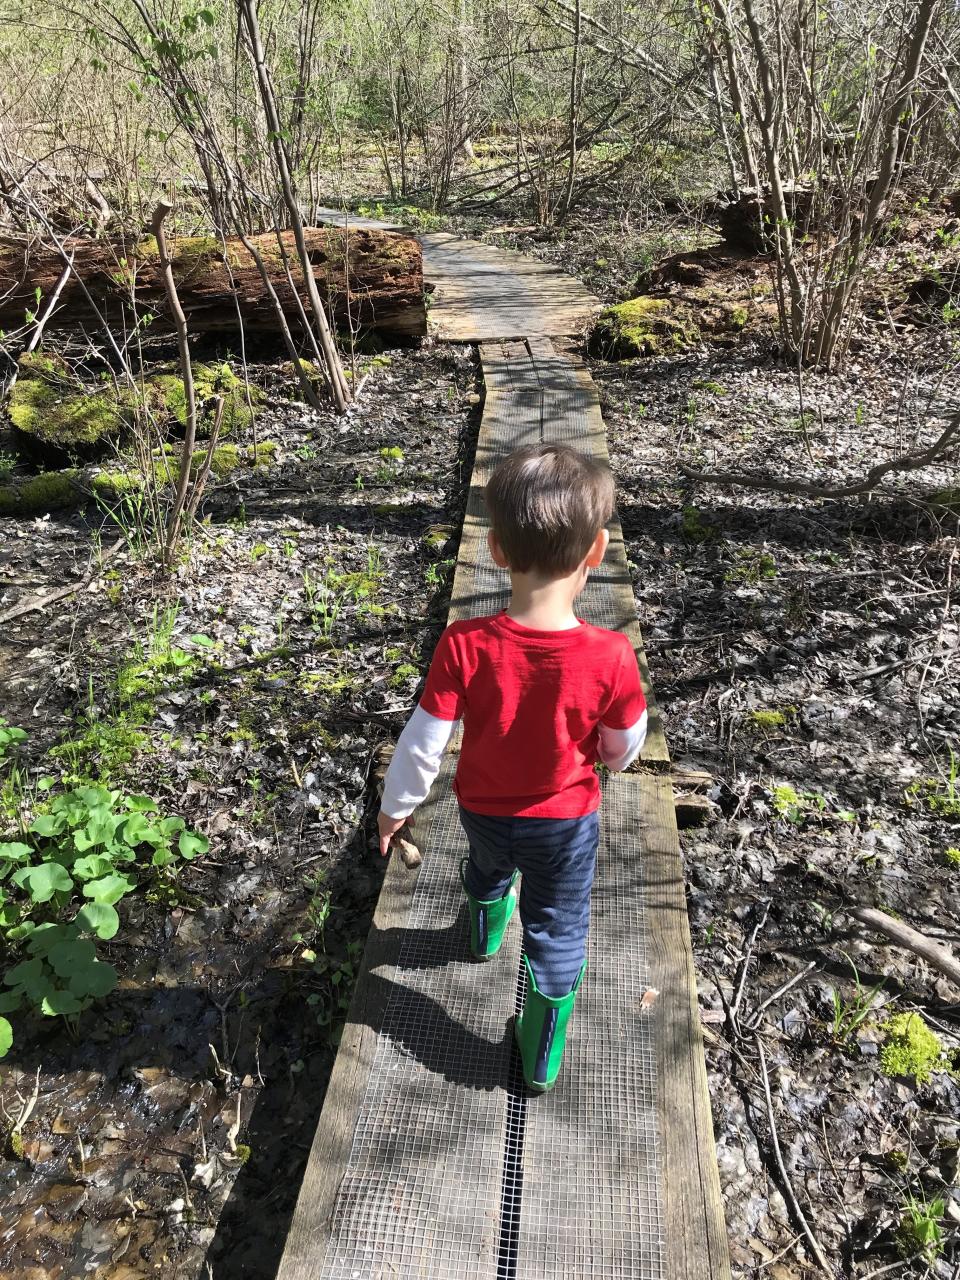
(420, 747)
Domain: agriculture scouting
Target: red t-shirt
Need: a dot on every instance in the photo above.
(530, 702)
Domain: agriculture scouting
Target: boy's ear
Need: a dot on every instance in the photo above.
(598, 550)
(496, 551)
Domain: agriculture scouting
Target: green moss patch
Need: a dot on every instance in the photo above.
(312, 373)
(166, 392)
(912, 1049)
(644, 326)
(187, 253)
(113, 483)
(51, 491)
(228, 458)
(57, 417)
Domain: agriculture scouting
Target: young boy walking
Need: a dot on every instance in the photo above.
(542, 696)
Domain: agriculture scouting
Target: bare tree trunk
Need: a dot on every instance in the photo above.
(333, 369)
(574, 110)
(186, 369)
(795, 323)
(737, 96)
(828, 333)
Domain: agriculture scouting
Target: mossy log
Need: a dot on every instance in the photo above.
(72, 487)
(58, 419)
(370, 279)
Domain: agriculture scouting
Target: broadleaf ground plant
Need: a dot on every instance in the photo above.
(83, 851)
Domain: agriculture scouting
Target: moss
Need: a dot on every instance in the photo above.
(188, 252)
(168, 396)
(911, 1048)
(51, 491)
(951, 857)
(14, 1145)
(768, 719)
(704, 384)
(694, 528)
(228, 458)
(313, 376)
(242, 1152)
(403, 674)
(58, 416)
(114, 483)
(739, 317)
(644, 326)
(945, 502)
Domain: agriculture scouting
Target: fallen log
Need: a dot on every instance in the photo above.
(219, 282)
(903, 935)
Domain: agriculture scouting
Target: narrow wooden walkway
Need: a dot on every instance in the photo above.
(429, 1160)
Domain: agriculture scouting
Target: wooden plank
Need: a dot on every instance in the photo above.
(307, 1241)
(484, 294)
(592, 1189)
(404, 1172)
(694, 1232)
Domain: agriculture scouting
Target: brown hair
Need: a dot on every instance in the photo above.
(547, 503)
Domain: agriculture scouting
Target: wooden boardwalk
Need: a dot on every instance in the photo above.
(429, 1160)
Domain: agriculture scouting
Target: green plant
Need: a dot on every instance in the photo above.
(940, 795)
(848, 1016)
(8, 462)
(920, 1230)
(10, 737)
(12, 780)
(694, 528)
(912, 1048)
(336, 976)
(317, 913)
(434, 574)
(88, 848)
(753, 567)
(951, 857)
(796, 806)
(389, 469)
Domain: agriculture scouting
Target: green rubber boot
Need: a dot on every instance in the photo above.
(489, 920)
(541, 1032)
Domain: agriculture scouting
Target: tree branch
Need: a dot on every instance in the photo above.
(949, 437)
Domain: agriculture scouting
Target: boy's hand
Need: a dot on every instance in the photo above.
(387, 828)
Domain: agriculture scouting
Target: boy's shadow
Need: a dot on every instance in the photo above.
(434, 1026)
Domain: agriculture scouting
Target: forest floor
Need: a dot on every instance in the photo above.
(804, 654)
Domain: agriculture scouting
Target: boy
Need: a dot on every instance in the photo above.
(543, 696)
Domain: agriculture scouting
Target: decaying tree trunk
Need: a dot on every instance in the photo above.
(385, 281)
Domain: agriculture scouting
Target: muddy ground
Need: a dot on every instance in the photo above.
(804, 655)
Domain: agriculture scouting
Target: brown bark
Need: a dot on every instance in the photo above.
(385, 279)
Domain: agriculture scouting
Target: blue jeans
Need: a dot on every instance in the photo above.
(557, 858)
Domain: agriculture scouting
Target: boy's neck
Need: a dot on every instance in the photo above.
(545, 604)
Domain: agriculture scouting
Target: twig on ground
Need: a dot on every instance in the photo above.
(782, 990)
(734, 1009)
(891, 1266)
(811, 1239)
(949, 437)
(903, 935)
(41, 602)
